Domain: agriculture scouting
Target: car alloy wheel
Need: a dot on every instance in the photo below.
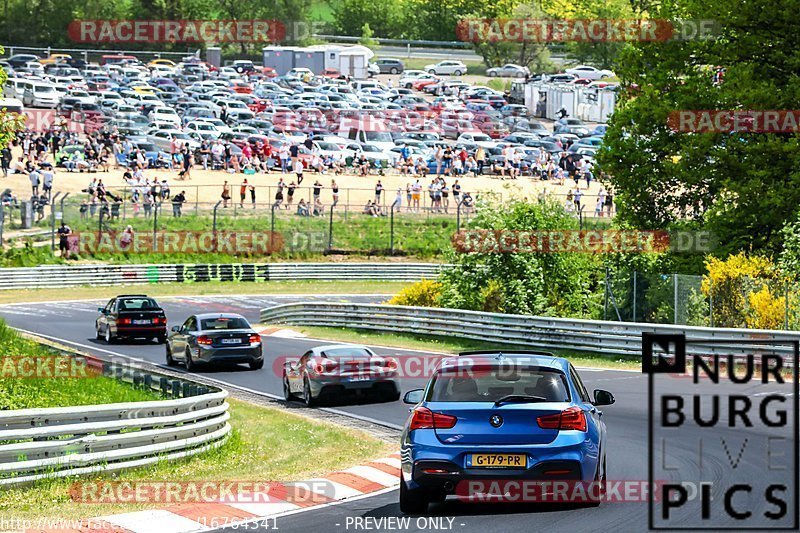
(190, 366)
(457, 73)
(287, 391)
(97, 334)
(393, 71)
(108, 335)
(307, 396)
(170, 360)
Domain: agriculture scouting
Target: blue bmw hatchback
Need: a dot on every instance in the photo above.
(491, 415)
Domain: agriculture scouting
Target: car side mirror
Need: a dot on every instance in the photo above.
(413, 397)
(102, 310)
(175, 328)
(603, 397)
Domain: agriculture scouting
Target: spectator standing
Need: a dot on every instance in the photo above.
(242, 193)
(5, 159)
(252, 194)
(47, 182)
(63, 239)
(290, 194)
(36, 178)
(298, 170)
(378, 192)
(398, 200)
(317, 190)
(226, 194)
(177, 204)
(335, 190)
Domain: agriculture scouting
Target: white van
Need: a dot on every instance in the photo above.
(11, 105)
(39, 94)
(15, 87)
(367, 130)
(360, 85)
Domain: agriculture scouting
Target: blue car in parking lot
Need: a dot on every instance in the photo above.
(500, 415)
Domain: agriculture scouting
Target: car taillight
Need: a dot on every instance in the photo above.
(325, 367)
(204, 340)
(124, 321)
(572, 418)
(255, 338)
(159, 320)
(424, 418)
(391, 363)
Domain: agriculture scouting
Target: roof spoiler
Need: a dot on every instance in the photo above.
(504, 352)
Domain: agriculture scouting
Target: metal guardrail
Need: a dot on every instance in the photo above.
(594, 336)
(57, 442)
(98, 275)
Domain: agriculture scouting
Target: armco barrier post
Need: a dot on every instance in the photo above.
(272, 227)
(156, 207)
(391, 230)
(214, 221)
(330, 229)
(53, 221)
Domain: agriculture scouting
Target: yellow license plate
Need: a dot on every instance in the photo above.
(497, 460)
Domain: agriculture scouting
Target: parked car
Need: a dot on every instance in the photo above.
(508, 71)
(451, 68)
(589, 72)
(574, 126)
(390, 66)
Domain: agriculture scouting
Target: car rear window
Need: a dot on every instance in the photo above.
(224, 323)
(489, 382)
(130, 304)
(347, 353)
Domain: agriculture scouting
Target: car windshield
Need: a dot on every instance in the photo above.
(346, 353)
(379, 136)
(224, 323)
(129, 304)
(472, 381)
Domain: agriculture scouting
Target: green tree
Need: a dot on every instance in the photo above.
(383, 17)
(10, 123)
(744, 187)
(534, 55)
(366, 36)
(557, 284)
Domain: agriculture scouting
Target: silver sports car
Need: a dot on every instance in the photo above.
(340, 368)
(214, 338)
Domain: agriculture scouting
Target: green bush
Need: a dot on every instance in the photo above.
(424, 293)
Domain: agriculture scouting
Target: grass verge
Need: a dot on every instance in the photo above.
(204, 289)
(267, 444)
(455, 345)
(29, 393)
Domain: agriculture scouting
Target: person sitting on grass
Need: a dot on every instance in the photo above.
(371, 209)
(319, 209)
(302, 208)
(363, 166)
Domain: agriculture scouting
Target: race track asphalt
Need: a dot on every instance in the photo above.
(627, 422)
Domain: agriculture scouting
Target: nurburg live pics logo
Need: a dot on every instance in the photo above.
(723, 445)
